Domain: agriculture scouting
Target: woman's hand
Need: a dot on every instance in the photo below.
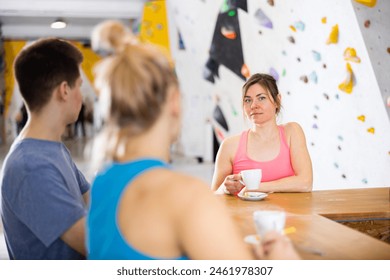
(276, 247)
(232, 184)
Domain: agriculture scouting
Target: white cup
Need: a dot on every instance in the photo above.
(251, 178)
(269, 220)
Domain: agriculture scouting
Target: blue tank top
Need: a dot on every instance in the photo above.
(104, 239)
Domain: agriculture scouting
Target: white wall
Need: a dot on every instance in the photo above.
(344, 153)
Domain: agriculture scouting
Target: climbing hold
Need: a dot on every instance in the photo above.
(262, 19)
(350, 55)
(362, 118)
(334, 35)
(245, 71)
(371, 130)
(313, 77)
(316, 55)
(274, 73)
(304, 79)
(228, 33)
(291, 39)
(368, 3)
(271, 2)
(299, 25)
(347, 84)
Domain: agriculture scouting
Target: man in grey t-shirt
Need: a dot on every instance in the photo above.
(43, 194)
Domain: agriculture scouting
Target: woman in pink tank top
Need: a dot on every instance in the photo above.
(278, 150)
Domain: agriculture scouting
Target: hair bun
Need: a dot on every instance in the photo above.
(111, 36)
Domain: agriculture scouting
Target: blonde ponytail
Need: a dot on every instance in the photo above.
(133, 81)
(111, 37)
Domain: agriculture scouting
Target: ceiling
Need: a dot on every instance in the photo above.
(30, 19)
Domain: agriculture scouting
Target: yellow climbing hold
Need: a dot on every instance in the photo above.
(350, 55)
(334, 35)
(371, 130)
(362, 118)
(293, 28)
(323, 20)
(347, 84)
(368, 3)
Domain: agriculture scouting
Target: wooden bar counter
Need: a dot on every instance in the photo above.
(314, 216)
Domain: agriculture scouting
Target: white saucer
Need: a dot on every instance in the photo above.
(253, 239)
(252, 196)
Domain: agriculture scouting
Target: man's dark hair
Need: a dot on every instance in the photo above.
(42, 66)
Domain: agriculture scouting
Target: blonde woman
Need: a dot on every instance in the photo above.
(140, 208)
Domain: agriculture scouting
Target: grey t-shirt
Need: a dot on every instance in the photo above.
(41, 193)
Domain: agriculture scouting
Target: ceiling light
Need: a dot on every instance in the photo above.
(58, 24)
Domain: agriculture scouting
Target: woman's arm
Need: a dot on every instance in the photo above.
(207, 231)
(302, 181)
(223, 177)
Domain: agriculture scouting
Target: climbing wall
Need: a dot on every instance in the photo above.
(374, 24)
(324, 68)
(154, 25)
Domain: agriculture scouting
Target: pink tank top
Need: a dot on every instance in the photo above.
(277, 168)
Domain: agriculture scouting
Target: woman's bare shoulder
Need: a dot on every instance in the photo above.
(292, 128)
(231, 140)
(291, 125)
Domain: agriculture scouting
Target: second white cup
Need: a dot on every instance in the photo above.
(269, 220)
(251, 178)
